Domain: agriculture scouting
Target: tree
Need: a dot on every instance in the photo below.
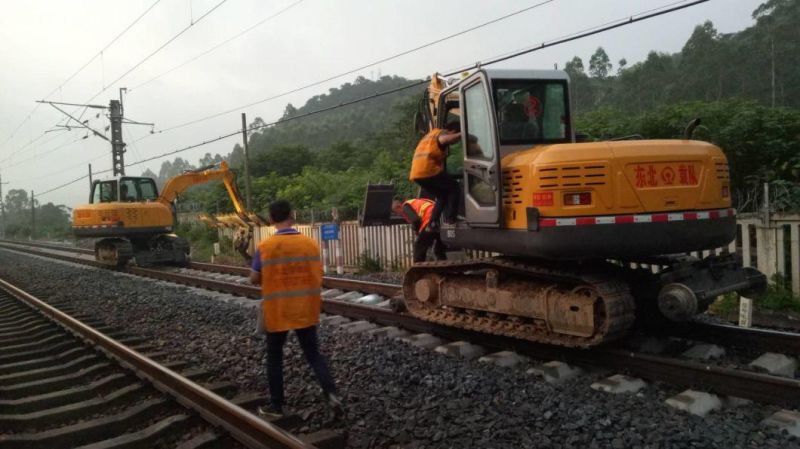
(207, 160)
(289, 112)
(574, 67)
(621, 65)
(581, 88)
(17, 202)
(599, 64)
(282, 160)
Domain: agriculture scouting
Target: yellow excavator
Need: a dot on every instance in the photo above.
(133, 221)
(567, 221)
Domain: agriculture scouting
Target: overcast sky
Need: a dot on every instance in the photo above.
(43, 42)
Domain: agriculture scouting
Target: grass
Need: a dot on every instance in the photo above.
(778, 298)
(369, 264)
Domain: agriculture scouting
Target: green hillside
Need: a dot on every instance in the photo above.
(745, 86)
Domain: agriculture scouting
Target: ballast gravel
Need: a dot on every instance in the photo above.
(397, 396)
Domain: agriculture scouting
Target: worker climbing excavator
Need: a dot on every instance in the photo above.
(568, 220)
(133, 221)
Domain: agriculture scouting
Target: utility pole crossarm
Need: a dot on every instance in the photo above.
(79, 123)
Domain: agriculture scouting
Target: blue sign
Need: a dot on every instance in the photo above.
(330, 231)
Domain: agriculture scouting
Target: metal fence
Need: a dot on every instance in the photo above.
(770, 244)
(390, 246)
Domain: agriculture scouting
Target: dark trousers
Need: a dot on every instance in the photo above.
(424, 241)
(308, 342)
(445, 189)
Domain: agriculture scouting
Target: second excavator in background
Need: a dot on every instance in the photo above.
(134, 222)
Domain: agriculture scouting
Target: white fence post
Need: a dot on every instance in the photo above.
(745, 244)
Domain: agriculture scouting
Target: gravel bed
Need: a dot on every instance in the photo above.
(397, 396)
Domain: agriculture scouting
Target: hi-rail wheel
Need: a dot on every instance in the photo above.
(113, 252)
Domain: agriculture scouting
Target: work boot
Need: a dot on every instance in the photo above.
(335, 403)
(270, 412)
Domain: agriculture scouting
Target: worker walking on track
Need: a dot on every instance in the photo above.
(427, 170)
(288, 268)
(418, 212)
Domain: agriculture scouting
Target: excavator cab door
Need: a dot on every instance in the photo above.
(482, 188)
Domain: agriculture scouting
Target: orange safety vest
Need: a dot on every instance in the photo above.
(423, 208)
(428, 157)
(291, 282)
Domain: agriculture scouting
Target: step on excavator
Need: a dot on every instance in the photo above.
(566, 222)
(134, 222)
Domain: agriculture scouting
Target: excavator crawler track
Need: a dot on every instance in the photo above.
(575, 305)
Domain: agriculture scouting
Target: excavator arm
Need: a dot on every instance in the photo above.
(179, 184)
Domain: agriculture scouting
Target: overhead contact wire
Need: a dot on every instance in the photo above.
(362, 67)
(169, 41)
(232, 38)
(64, 83)
(631, 19)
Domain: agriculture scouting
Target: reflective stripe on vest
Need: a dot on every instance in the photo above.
(428, 157)
(424, 210)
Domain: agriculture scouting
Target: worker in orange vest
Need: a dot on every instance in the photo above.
(427, 170)
(418, 212)
(288, 268)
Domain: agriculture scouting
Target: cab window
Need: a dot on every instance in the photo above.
(531, 111)
(127, 190)
(137, 189)
(147, 189)
(104, 192)
(478, 123)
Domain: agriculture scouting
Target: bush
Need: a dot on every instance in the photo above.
(779, 297)
(369, 264)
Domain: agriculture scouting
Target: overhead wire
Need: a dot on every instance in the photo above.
(161, 47)
(494, 60)
(215, 47)
(361, 67)
(74, 74)
(51, 150)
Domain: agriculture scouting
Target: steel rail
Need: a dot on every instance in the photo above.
(245, 427)
(746, 384)
(383, 289)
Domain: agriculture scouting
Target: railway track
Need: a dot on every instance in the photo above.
(66, 382)
(748, 384)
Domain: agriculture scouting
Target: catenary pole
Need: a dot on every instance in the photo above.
(2, 210)
(33, 216)
(246, 163)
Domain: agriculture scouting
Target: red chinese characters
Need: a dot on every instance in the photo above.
(655, 175)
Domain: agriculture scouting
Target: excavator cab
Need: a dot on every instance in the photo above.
(126, 189)
(500, 112)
